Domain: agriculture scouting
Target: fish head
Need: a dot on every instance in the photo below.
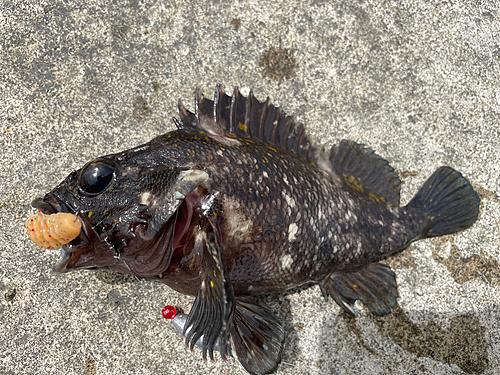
(129, 208)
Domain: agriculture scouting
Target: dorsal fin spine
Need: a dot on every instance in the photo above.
(178, 123)
(265, 111)
(283, 134)
(248, 111)
(232, 127)
(255, 119)
(271, 129)
(187, 118)
(216, 105)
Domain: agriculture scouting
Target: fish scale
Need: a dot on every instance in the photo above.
(239, 201)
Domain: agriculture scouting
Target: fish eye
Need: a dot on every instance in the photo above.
(96, 176)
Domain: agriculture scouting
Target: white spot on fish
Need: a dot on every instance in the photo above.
(144, 198)
(237, 224)
(289, 200)
(250, 288)
(265, 174)
(292, 230)
(286, 261)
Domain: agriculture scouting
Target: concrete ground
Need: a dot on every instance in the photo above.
(416, 80)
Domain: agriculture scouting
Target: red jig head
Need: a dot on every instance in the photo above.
(179, 321)
(169, 312)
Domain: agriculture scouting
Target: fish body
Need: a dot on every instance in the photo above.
(239, 201)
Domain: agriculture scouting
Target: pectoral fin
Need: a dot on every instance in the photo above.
(257, 336)
(212, 313)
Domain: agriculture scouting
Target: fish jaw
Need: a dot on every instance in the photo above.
(86, 250)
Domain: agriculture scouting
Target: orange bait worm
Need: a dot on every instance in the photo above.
(53, 231)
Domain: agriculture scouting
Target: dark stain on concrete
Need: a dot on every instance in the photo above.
(401, 260)
(236, 22)
(485, 194)
(406, 174)
(350, 321)
(119, 31)
(142, 111)
(476, 267)
(90, 367)
(10, 294)
(278, 63)
(463, 343)
(299, 326)
(116, 299)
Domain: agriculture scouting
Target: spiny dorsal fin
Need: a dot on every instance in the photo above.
(361, 167)
(246, 117)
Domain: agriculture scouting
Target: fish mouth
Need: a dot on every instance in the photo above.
(71, 251)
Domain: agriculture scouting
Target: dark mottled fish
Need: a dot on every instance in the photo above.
(238, 201)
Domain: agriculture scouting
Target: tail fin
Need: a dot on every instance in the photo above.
(448, 200)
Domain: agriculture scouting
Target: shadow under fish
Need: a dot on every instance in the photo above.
(238, 202)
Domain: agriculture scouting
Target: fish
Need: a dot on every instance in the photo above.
(239, 201)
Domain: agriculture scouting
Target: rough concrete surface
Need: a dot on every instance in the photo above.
(416, 80)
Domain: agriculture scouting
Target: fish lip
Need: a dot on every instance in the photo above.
(46, 207)
(51, 204)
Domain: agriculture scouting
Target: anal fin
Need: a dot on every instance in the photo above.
(257, 336)
(374, 285)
